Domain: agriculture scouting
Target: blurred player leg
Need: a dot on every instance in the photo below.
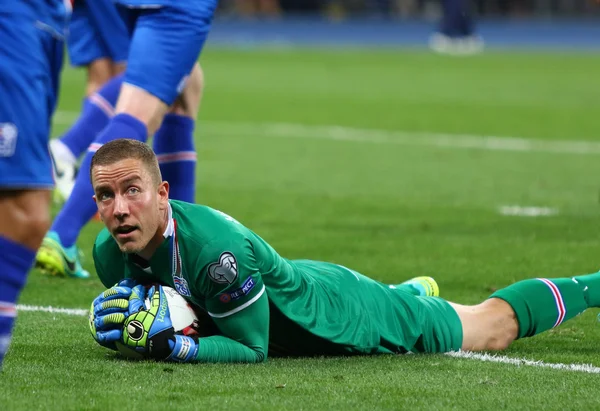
(152, 83)
(31, 48)
(97, 111)
(456, 34)
(99, 41)
(174, 141)
(99, 72)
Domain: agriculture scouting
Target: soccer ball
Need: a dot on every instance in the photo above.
(183, 317)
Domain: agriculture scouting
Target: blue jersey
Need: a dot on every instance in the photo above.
(31, 44)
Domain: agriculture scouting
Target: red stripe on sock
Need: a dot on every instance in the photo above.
(102, 104)
(94, 147)
(179, 156)
(560, 305)
(7, 309)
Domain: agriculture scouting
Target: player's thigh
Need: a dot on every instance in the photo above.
(142, 105)
(406, 322)
(25, 83)
(439, 325)
(165, 46)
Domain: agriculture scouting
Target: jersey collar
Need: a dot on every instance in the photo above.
(170, 230)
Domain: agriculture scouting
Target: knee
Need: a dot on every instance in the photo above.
(195, 84)
(504, 328)
(499, 343)
(491, 325)
(98, 75)
(35, 220)
(188, 103)
(38, 226)
(29, 218)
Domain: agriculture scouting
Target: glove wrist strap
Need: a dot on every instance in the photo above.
(185, 349)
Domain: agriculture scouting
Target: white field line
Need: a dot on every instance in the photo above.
(54, 310)
(525, 211)
(374, 136)
(585, 368)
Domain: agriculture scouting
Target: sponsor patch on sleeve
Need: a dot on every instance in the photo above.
(238, 293)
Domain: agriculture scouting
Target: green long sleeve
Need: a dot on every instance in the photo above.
(223, 349)
(245, 336)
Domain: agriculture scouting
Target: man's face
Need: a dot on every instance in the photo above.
(129, 202)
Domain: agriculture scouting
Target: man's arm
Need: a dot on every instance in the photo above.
(245, 336)
(230, 283)
(150, 331)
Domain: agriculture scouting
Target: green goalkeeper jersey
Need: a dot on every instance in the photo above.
(263, 303)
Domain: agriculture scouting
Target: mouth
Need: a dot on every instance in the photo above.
(125, 231)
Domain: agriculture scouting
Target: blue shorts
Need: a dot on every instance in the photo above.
(96, 31)
(28, 86)
(166, 42)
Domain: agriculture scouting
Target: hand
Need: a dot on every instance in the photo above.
(109, 310)
(150, 332)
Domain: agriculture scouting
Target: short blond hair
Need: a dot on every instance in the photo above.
(124, 149)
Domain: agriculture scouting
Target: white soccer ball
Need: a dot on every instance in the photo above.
(183, 317)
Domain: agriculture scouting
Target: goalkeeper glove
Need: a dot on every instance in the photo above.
(109, 310)
(151, 331)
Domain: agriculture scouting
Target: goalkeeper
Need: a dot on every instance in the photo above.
(265, 304)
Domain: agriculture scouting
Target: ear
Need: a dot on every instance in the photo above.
(163, 194)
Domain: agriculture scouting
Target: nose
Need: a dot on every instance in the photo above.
(121, 208)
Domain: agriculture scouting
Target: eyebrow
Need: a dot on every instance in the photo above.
(129, 181)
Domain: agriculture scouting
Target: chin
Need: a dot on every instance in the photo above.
(130, 248)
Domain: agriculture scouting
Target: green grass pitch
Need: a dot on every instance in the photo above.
(388, 193)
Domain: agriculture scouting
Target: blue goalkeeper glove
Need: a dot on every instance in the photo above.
(110, 308)
(150, 331)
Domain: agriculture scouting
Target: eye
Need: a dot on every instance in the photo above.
(133, 191)
(104, 196)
